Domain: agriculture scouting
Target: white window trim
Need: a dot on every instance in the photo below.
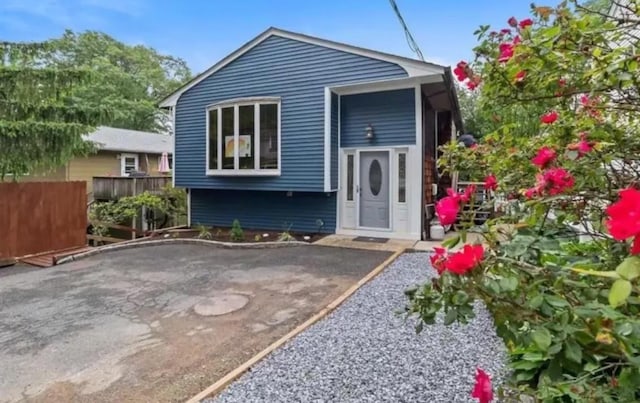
(235, 104)
(123, 158)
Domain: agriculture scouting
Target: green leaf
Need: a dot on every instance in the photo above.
(555, 301)
(629, 268)
(555, 349)
(525, 376)
(450, 317)
(536, 301)
(591, 366)
(624, 329)
(526, 365)
(630, 377)
(572, 351)
(451, 242)
(620, 291)
(533, 356)
(542, 338)
(509, 283)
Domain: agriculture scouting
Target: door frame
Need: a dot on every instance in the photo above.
(358, 185)
(398, 230)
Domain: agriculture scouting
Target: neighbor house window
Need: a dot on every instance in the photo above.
(128, 164)
(402, 178)
(243, 137)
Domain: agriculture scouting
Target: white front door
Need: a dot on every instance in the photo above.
(373, 190)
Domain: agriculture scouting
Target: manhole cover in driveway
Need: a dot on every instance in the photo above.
(221, 305)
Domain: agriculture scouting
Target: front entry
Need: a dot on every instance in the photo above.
(374, 189)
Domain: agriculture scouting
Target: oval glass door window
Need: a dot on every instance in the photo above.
(375, 177)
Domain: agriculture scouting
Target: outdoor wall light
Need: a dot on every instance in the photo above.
(369, 132)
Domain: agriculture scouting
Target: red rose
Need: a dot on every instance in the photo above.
(482, 390)
(527, 22)
(447, 210)
(461, 70)
(516, 40)
(490, 182)
(624, 218)
(465, 260)
(545, 156)
(505, 31)
(506, 52)
(469, 191)
(512, 21)
(558, 180)
(438, 259)
(530, 193)
(471, 85)
(549, 117)
(582, 147)
(520, 76)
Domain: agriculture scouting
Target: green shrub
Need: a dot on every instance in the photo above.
(236, 234)
(203, 232)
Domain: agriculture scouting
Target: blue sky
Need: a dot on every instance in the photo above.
(204, 31)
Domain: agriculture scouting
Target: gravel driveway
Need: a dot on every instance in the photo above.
(365, 352)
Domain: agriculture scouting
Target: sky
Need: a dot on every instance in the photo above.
(204, 31)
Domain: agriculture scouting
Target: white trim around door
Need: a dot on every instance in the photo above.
(403, 185)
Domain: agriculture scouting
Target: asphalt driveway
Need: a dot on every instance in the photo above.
(158, 323)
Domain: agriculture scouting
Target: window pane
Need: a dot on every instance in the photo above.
(247, 129)
(350, 177)
(213, 140)
(402, 178)
(129, 165)
(227, 138)
(269, 136)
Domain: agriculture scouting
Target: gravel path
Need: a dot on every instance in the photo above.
(365, 352)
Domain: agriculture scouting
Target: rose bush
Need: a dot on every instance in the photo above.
(557, 266)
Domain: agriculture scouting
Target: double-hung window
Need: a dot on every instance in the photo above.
(243, 137)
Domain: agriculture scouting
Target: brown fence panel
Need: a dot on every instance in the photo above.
(38, 217)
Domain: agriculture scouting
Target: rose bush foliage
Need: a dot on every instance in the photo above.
(560, 263)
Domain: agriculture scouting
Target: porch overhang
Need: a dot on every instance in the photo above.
(386, 85)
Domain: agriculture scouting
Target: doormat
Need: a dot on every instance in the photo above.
(370, 239)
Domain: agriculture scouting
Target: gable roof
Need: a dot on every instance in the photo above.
(113, 139)
(413, 67)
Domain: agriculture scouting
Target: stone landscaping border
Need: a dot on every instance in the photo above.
(139, 243)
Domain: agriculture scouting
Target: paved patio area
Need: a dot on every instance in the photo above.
(158, 323)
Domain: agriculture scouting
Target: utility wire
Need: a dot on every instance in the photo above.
(410, 41)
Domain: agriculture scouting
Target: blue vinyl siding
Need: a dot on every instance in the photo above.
(391, 113)
(264, 210)
(293, 70)
(335, 114)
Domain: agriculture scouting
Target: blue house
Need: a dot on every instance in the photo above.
(296, 132)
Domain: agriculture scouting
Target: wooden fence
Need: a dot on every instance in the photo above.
(115, 187)
(37, 217)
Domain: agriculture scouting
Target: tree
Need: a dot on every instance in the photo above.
(560, 267)
(129, 80)
(41, 123)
